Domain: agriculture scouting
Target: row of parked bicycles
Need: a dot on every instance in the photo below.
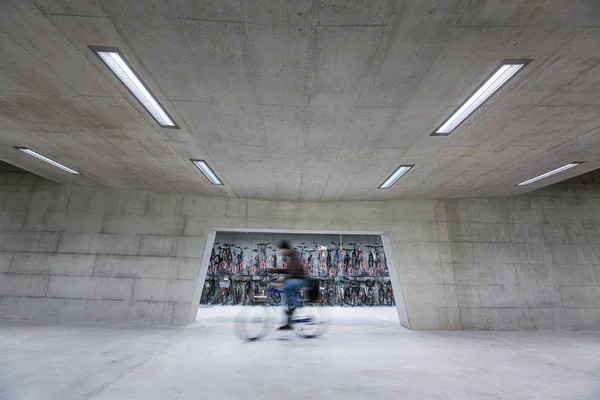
(318, 260)
(227, 289)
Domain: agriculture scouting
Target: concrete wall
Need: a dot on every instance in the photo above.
(78, 253)
(85, 254)
(528, 262)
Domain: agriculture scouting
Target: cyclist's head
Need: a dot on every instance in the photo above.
(285, 247)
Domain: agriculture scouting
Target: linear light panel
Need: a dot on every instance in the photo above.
(120, 67)
(210, 175)
(550, 173)
(399, 173)
(47, 160)
(503, 73)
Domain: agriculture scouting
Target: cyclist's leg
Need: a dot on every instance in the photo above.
(290, 287)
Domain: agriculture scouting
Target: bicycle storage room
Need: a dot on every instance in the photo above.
(351, 272)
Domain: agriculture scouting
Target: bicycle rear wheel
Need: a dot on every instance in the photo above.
(347, 299)
(389, 299)
(254, 322)
(311, 322)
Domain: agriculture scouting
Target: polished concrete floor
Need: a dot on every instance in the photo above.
(359, 358)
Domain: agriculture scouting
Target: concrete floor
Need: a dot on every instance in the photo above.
(354, 360)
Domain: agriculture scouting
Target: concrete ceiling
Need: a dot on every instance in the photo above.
(303, 99)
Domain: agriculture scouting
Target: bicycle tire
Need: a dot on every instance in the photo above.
(276, 298)
(224, 298)
(347, 298)
(370, 301)
(362, 297)
(381, 296)
(315, 321)
(254, 322)
(355, 299)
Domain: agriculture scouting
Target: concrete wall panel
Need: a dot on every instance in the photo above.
(5, 261)
(512, 263)
(60, 221)
(544, 276)
(53, 263)
(43, 308)
(29, 241)
(189, 268)
(23, 285)
(136, 267)
(143, 224)
(427, 273)
(468, 296)
(564, 275)
(77, 287)
(127, 311)
(12, 220)
(581, 296)
(427, 296)
(485, 274)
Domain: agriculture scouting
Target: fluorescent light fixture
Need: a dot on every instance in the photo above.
(47, 160)
(210, 175)
(113, 58)
(491, 85)
(399, 173)
(554, 171)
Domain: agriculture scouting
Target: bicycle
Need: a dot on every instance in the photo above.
(236, 292)
(256, 322)
(225, 289)
(215, 258)
(369, 296)
(352, 293)
(262, 260)
(209, 290)
(386, 294)
(374, 258)
(238, 257)
(339, 292)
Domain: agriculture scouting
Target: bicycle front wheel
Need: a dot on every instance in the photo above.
(311, 322)
(254, 322)
(276, 298)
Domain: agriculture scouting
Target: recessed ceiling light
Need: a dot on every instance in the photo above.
(210, 175)
(399, 173)
(113, 58)
(554, 171)
(47, 160)
(491, 85)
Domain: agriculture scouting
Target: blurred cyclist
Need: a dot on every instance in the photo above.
(295, 279)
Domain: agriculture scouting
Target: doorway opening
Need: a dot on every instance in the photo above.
(357, 279)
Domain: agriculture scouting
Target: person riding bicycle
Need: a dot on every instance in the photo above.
(295, 279)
